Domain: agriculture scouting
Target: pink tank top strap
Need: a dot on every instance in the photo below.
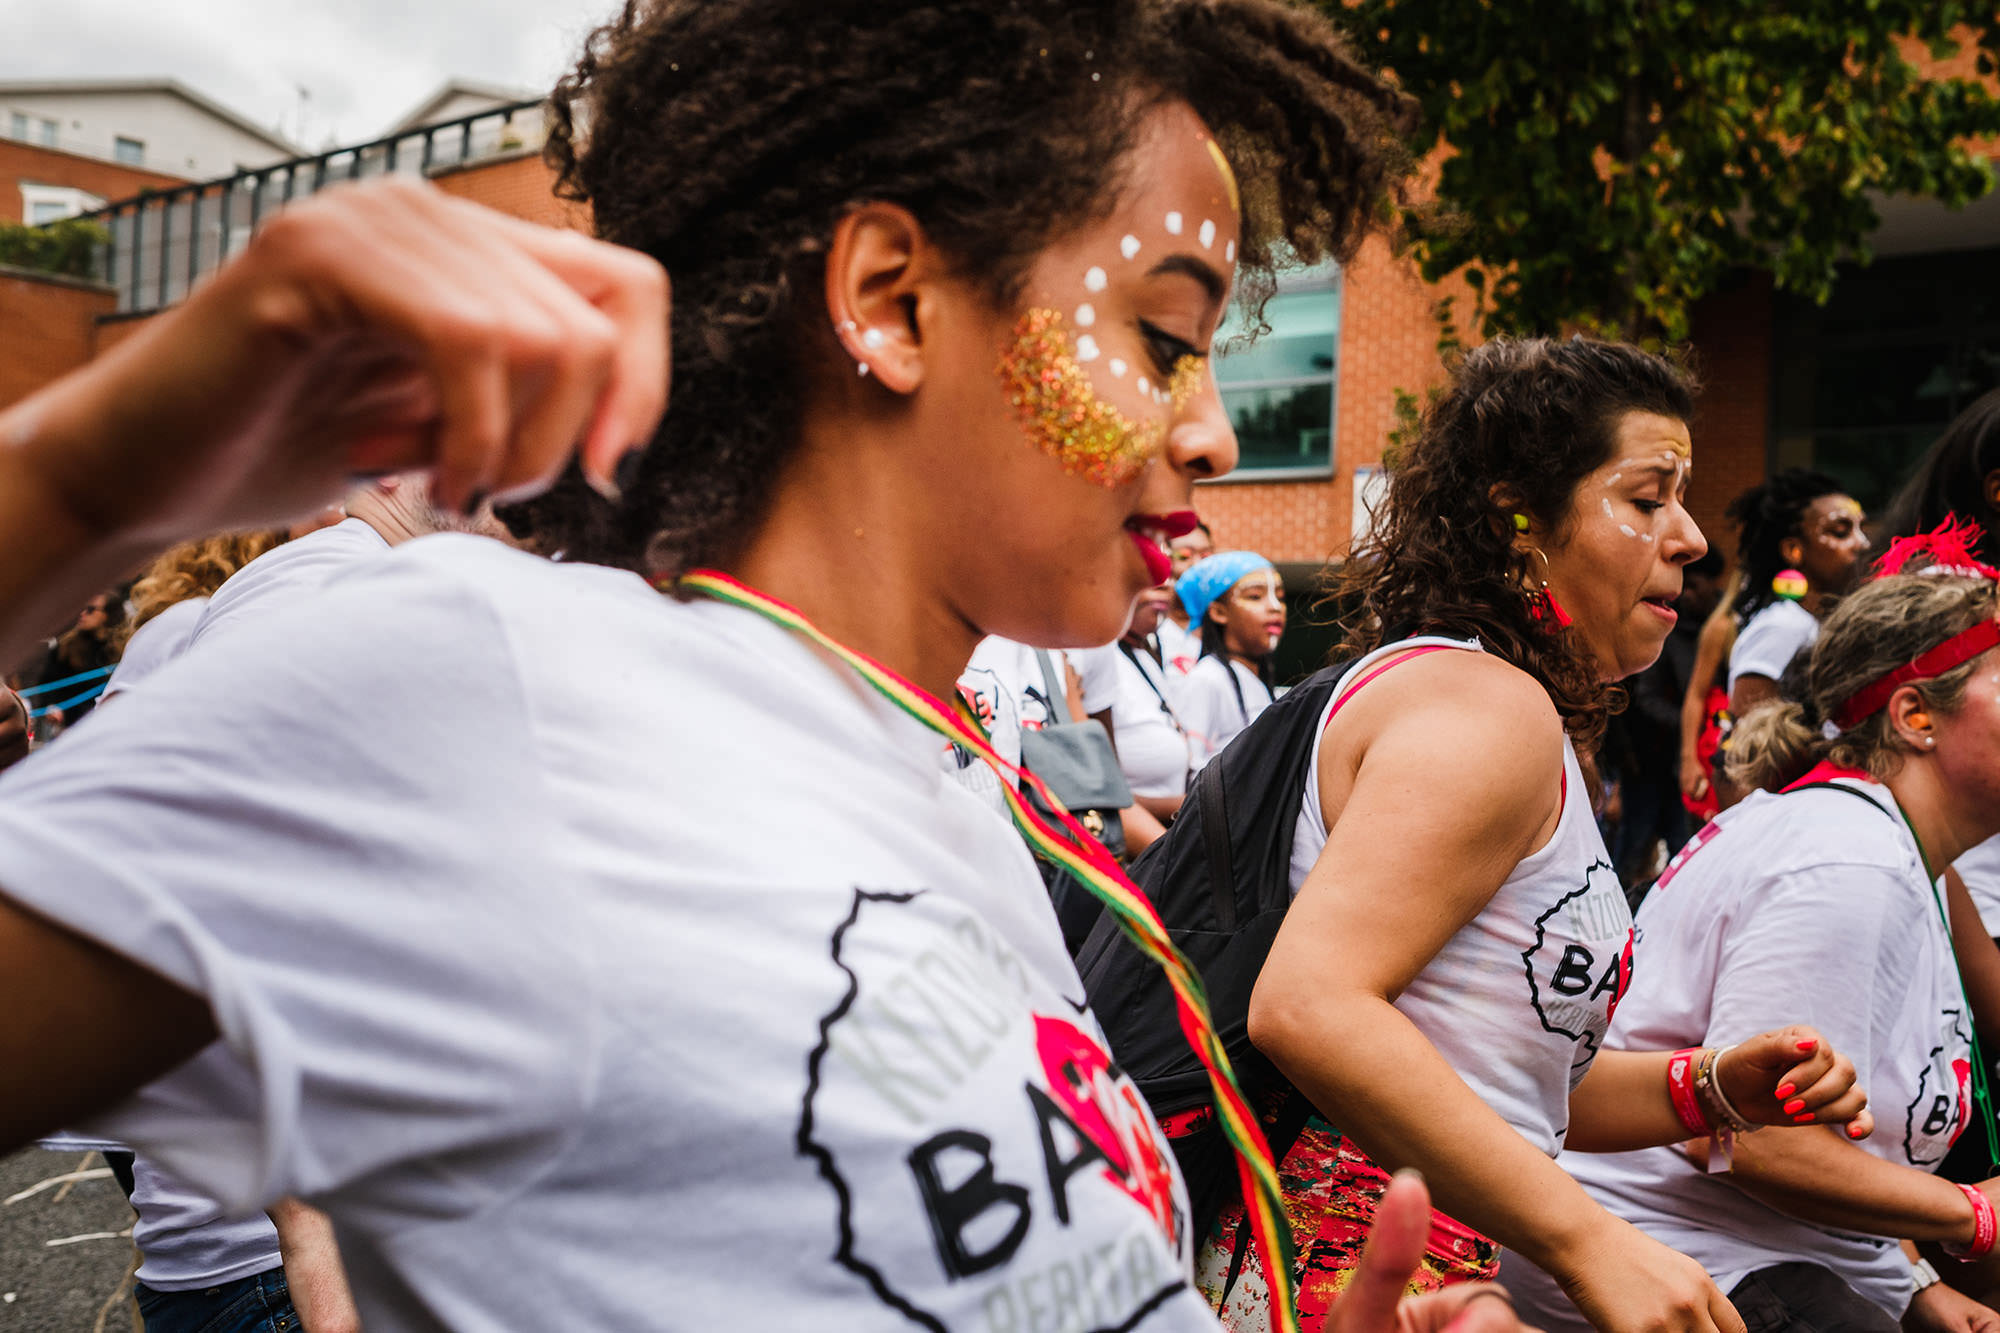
(1350, 691)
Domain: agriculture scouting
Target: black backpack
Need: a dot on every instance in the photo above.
(1221, 880)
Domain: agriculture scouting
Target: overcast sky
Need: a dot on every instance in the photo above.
(364, 63)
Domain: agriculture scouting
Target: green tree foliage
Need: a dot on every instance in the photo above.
(1613, 159)
(68, 247)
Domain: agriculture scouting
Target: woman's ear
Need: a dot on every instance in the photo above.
(1992, 487)
(878, 259)
(1791, 550)
(1910, 718)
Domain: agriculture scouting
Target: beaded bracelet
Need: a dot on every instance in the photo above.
(1708, 1081)
(1985, 1227)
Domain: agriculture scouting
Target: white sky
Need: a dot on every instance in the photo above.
(365, 63)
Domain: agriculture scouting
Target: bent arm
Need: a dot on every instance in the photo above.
(66, 995)
(1814, 1176)
(1710, 652)
(1402, 871)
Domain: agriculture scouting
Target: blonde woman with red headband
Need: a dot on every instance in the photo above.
(1816, 900)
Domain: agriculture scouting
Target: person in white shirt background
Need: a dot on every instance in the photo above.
(1145, 729)
(1180, 635)
(1239, 603)
(1820, 904)
(1799, 523)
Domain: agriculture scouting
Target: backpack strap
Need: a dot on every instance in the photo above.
(1213, 803)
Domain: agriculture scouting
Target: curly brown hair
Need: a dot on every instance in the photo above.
(192, 569)
(726, 138)
(1524, 421)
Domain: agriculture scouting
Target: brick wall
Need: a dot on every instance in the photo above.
(521, 185)
(46, 327)
(1733, 353)
(1388, 341)
(50, 166)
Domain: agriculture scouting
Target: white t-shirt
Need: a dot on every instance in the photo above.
(632, 968)
(287, 572)
(1152, 747)
(156, 643)
(1774, 636)
(1518, 1001)
(1213, 710)
(1980, 869)
(1803, 908)
(1180, 649)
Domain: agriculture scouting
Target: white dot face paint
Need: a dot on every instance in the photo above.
(1144, 386)
(1229, 253)
(1086, 348)
(1174, 223)
(1129, 246)
(1094, 279)
(1118, 368)
(1626, 528)
(1085, 316)
(1207, 235)
(1607, 508)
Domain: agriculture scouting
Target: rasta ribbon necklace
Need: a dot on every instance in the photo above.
(1064, 841)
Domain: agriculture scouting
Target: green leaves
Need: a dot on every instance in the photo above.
(68, 247)
(1614, 159)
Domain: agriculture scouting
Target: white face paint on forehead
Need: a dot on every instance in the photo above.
(1206, 235)
(1094, 279)
(1174, 224)
(1086, 315)
(1129, 246)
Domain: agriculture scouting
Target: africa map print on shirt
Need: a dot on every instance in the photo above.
(994, 1170)
(1938, 1113)
(1580, 963)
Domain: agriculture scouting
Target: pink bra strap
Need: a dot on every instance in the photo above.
(1375, 671)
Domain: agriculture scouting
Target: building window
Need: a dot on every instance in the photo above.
(51, 203)
(1279, 389)
(49, 128)
(1866, 382)
(17, 125)
(132, 152)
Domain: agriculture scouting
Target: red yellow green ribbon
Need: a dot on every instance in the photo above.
(1071, 847)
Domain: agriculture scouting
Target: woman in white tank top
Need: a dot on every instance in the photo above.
(1443, 980)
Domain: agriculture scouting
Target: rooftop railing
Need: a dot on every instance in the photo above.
(162, 242)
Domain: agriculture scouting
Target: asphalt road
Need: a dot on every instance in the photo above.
(65, 1250)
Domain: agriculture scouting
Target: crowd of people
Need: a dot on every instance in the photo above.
(691, 860)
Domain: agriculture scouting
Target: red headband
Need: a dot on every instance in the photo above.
(1959, 649)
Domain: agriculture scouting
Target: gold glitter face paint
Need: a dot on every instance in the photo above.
(1228, 176)
(1062, 414)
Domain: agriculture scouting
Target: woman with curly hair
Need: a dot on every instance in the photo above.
(1528, 554)
(1816, 897)
(638, 963)
(168, 599)
(1800, 542)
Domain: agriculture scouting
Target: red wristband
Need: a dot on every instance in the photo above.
(1680, 1086)
(1985, 1226)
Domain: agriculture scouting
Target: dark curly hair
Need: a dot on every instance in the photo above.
(726, 138)
(1766, 516)
(1951, 479)
(1524, 420)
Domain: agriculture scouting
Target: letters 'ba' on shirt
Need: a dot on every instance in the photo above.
(1804, 908)
(602, 961)
(1517, 1002)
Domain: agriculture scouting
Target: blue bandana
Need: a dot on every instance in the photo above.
(1206, 580)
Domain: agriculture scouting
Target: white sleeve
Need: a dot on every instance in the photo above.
(1768, 644)
(334, 830)
(1097, 672)
(1803, 948)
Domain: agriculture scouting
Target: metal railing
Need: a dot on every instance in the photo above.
(164, 241)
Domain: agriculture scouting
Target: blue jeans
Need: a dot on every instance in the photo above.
(260, 1303)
